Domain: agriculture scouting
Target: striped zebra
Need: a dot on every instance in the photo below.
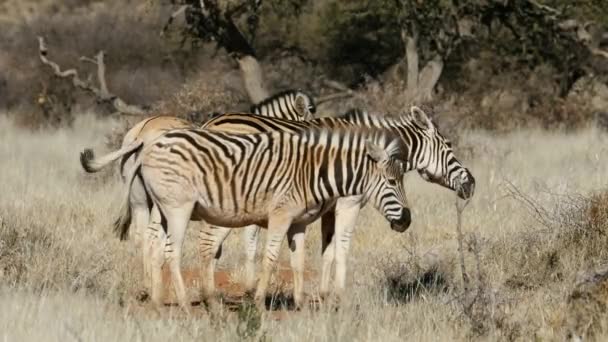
(290, 104)
(280, 180)
(428, 151)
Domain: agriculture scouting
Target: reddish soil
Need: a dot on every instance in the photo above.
(233, 292)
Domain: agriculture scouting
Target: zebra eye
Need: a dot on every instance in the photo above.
(312, 109)
(392, 182)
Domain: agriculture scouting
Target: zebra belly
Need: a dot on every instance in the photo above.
(312, 213)
(224, 218)
(228, 219)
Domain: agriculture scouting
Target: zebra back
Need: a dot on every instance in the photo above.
(428, 151)
(239, 171)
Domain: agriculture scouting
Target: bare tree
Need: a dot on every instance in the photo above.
(101, 93)
(213, 20)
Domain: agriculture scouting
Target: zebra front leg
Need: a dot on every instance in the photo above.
(347, 212)
(155, 251)
(295, 238)
(177, 221)
(327, 248)
(210, 244)
(250, 239)
(278, 225)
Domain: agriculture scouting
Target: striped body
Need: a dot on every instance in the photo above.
(293, 105)
(427, 151)
(276, 180)
(244, 176)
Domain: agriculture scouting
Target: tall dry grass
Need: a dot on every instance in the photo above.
(65, 276)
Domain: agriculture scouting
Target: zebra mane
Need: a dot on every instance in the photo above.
(379, 136)
(360, 115)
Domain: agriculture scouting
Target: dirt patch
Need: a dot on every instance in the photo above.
(232, 291)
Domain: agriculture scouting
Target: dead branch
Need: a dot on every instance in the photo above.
(334, 96)
(598, 52)
(342, 92)
(172, 17)
(460, 205)
(539, 213)
(101, 93)
(336, 85)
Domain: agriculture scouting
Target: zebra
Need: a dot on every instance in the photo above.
(288, 105)
(280, 180)
(432, 157)
(293, 105)
(429, 152)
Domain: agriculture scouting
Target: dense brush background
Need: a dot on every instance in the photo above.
(536, 230)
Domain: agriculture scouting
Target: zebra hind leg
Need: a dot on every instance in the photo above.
(177, 221)
(210, 244)
(156, 259)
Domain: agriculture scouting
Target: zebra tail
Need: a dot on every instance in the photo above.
(91, 164)
(123, 222)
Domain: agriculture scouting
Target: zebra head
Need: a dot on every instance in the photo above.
(289, 105)
(435, 159)
(388, 191)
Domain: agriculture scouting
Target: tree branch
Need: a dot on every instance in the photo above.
(336, 85)
(172, 17)
(101, 92)
(334, 96)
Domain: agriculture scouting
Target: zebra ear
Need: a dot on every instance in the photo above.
(421, 118)
(396, 149)
(301, 104)
(377, 153)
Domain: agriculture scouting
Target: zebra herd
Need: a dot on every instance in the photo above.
(277, 168)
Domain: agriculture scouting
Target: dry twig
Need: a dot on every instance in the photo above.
(460, 206)
(101, 93)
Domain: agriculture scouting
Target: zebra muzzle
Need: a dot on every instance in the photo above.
(467, 187)
(403, 223)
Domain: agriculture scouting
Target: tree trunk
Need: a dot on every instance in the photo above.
(411, 54)
(253, 79)
(428, 78)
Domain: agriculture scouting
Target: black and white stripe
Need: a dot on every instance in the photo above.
(290, 105)
(276, 179)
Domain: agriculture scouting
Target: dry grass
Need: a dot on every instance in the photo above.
(64, 276)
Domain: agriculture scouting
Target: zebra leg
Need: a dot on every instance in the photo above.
(177, 221)
(327, 247)
(295, 238)
(250, 239)
(141, 218)
(154, 249)
(347, 211)
(278, 225)
(211, 239)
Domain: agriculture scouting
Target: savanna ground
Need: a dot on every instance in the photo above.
(518, 96)
(536, 223)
